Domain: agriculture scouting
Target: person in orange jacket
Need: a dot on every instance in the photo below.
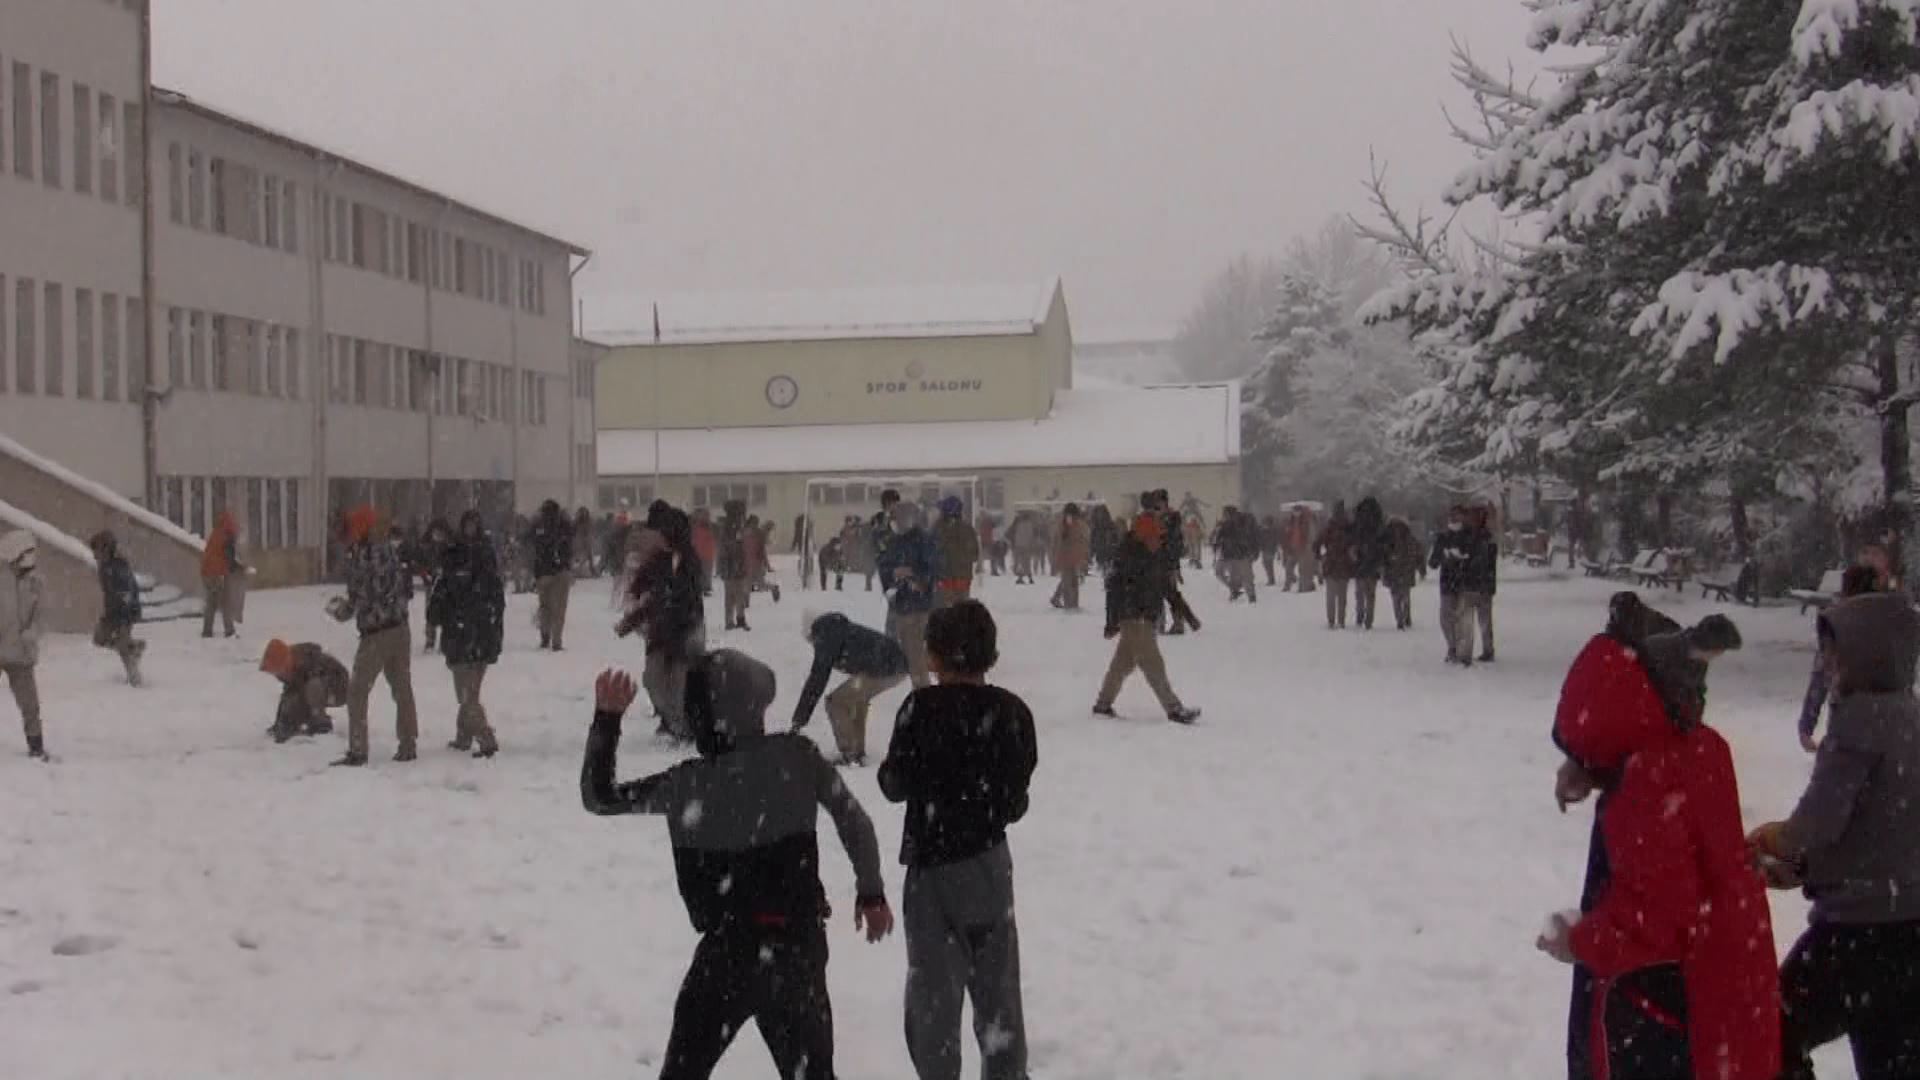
(706, 545)
(219, 565)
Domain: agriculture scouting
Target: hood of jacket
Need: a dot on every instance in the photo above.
(1874, 638)
(728, 693)
(1610, 708)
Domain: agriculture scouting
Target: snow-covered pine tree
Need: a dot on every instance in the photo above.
(1306, 320)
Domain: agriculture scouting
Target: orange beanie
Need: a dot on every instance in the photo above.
(278, 660)
(361, 522)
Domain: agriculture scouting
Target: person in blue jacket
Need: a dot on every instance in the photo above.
(119, 605)
(907, 574)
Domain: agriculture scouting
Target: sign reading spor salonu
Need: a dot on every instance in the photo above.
(918, 382)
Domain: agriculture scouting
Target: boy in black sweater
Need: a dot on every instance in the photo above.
(741, 817)
(962, 757)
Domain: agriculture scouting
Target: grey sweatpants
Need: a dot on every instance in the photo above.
(962, 942)
(26, 694)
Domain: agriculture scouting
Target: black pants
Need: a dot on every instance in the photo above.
(1402, 606)
(777, 979)
(1266, 561)
(1645, 1018)
(1861, 983)
(1366, 594)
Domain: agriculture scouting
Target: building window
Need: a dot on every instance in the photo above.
(176, 501)
(994, 494)
(135, 135)
(247, 338)
(110, 348)
(342, 231)
(758, 497)
(56, 339)
(276, 534)
(110, 138)
(83, 148)
(6, 374)
(26, 344)
(289, 217)
(196, 189)
(219, 348)
(197, 505)
(22, 120)
(256, 507)
(293, 362)
(293, 513)
(274, 362)
(176, 347)
(176, 184)
(197, 349)
(83, 344)
(270, 214)
(136, 346)
(50, 129)
(217, 193)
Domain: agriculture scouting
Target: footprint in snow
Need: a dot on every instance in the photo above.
(84, 944)
(26, 986)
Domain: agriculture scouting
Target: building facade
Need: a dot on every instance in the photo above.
(205, 314)
(810, 406)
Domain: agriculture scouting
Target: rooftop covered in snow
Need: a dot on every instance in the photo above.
(1164, 425)
(831, 315)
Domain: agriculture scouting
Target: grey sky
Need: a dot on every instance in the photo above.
(1131, 146)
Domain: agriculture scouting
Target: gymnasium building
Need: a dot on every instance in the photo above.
(816, 402)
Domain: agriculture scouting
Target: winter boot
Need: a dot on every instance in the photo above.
(1487, 657)
(776, 594)
(487, 748)
(351, 761)
(405, 753)
(37, 748)
(461, 744)
(1183, 715)
(1106, 711)
(546, 641)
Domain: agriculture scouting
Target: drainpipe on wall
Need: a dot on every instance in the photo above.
(149, 390)
(320, 373)
(439, 374)
(573, 376)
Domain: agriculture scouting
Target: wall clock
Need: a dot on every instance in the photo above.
(782, 391)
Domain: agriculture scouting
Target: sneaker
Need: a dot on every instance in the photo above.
(405, 754)
(461, 745)
(37, 749)
(851, 761)
(1106, 711)
(1487, 657)
(1183, 715)
(351, 761)
(485, 752)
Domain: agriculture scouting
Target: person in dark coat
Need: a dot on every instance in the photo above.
(1855, 973)
(666, 605)
(1483, 578)
(1137, 593)
(1859, 580)
(742, 819)
(1270, 536)
(119, 605)
(311, 682)
(909, 567)
(424, 560)
(833, 561)
(1453, 555)
(1679, 938)
(1406, 563)
(962, 758)
(1368, 542)
(733, 565)
(1104, 535)
(873, 663)
(1334, 549)
(468, 606)
(550, 542)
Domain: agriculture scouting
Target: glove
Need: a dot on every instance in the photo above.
(340, 608)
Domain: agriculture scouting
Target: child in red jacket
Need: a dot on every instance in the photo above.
(1680, 938)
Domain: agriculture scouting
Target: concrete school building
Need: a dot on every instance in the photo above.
(808, 402)
(199, 312)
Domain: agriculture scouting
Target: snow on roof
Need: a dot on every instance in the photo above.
(838, 315)
(1170, 425)
(100, 492)
(44, 533)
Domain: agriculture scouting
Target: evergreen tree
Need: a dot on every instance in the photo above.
(1306, 320)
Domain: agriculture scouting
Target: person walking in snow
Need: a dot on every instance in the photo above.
(1137, 592)
(1369, 544)
(907, 571)
(1270, 547)
(311, 682)
(1859, 580)
(873, 664)
(1406, 563)
(1334, 552)
(1238, 547)
(1483, 578)
(958, 545)
(962, 758)
(742, 817)
(1025, 537)
(583, 542)
(989, 533)
(550, 541)
(1855, 972)
(468, 606)
(1678, 935)
(833, 561)
(219, 567)
(666, 606)
(119, 604)
(376, 602)
(424, 561)
(1071, 555)
(1453, 555)
(1103, 535)
(731, 564)
(22, 593)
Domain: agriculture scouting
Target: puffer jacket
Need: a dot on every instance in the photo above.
(469, 603)
(22, 618)
(377, 587)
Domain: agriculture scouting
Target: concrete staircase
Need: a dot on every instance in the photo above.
(62, 508)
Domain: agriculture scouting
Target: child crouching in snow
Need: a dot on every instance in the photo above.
(311, 682)
(741, 817)
(962, 756)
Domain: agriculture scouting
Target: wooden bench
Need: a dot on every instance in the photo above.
(1632, 570)
(1662, 572)
(1742, 588)
(1548, 558)
(1824, 596)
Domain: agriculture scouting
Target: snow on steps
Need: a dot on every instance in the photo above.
(100, 493)
(159, 601)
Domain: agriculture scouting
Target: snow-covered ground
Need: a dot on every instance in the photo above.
(1339, 873)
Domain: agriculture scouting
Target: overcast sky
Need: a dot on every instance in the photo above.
(1130, 146)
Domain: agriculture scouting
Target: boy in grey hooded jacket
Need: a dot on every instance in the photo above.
(1850, 844)
(21, 593)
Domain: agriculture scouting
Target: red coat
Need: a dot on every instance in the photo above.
(1682, 888)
